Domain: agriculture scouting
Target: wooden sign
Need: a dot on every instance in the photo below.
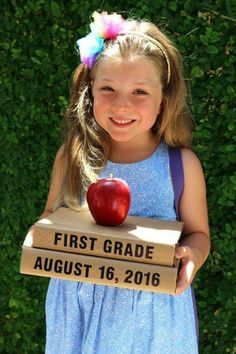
(98, 270)
(137, 239)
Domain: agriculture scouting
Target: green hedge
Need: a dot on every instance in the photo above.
(38, 57)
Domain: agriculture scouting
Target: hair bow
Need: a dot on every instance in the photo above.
(104, 27)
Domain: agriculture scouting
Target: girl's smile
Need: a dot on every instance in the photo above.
(121, 122)
(127, 99)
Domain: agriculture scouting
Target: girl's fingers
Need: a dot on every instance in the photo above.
(182, 252)
(186, 272)
(185, 277)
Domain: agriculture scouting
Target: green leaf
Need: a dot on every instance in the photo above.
(211, 49)
(55, 9)
(204, 39)
(230, 148)
(197, 71)
(173, 5)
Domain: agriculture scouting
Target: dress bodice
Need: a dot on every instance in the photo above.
(150, 184)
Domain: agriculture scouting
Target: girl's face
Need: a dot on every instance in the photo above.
(127, 99)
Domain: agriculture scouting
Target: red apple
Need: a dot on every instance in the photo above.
(109, 201)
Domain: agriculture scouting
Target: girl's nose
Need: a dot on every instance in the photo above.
(121, 103)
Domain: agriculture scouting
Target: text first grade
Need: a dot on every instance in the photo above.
(109, 246)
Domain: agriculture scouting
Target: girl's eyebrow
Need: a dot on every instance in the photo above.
(145, 82)
(106, 79)
(141, 82)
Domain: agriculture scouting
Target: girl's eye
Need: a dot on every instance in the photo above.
(106, 88)
(140, 92)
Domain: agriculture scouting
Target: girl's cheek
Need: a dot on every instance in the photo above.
(96, 103)
(98, 100)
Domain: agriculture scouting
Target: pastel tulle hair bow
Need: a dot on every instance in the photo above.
(104, 27)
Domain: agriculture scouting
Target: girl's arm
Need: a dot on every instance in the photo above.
(58, 174)
(195, 243)
(57, 178)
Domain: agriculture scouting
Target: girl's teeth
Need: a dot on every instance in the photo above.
(122, 121)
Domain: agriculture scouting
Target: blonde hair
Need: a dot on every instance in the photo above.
(86, 146)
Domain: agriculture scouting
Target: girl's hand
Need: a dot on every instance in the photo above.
(190, 263)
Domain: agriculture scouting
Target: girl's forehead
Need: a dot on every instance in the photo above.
(140, 66)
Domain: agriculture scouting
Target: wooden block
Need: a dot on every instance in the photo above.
(137, 239)
(99, 270)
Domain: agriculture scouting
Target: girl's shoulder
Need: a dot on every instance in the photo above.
(61, 156)
(57, 179)
(190, 159)
(60, 152)
(60, 163)
(193, 171)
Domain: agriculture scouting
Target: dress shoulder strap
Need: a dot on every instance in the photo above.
(177, 175)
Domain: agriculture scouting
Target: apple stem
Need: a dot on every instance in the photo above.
(111, 176)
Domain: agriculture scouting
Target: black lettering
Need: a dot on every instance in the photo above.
(58, 266)
(48, 264)
(107, 246)
(87, 268)
(128, 250)
(149, 252)
(138, 251)
(78, 268)
(155, 279)
(74, 241)
(118, 248)
(83, 243)
(93, 240)
(57, 237)
(129, 275)
(38, 263)
(68, 267)
(65, 240)
(138, 277)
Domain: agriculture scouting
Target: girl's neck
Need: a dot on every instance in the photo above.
(128, 152)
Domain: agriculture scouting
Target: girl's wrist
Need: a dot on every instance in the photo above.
(199, 243)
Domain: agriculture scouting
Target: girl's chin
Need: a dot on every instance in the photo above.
(121, 137)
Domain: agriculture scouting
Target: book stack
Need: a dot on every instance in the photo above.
(138, 254)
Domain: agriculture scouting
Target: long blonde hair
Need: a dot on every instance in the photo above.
(86, 145)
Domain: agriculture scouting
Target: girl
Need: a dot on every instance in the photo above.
(128, 104)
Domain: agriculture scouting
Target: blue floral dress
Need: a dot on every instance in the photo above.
(94, 319)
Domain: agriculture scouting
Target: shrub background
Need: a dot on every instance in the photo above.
(37, 60)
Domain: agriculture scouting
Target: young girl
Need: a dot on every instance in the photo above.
(128, 104)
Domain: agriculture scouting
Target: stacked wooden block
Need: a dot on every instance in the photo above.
(139, 254)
